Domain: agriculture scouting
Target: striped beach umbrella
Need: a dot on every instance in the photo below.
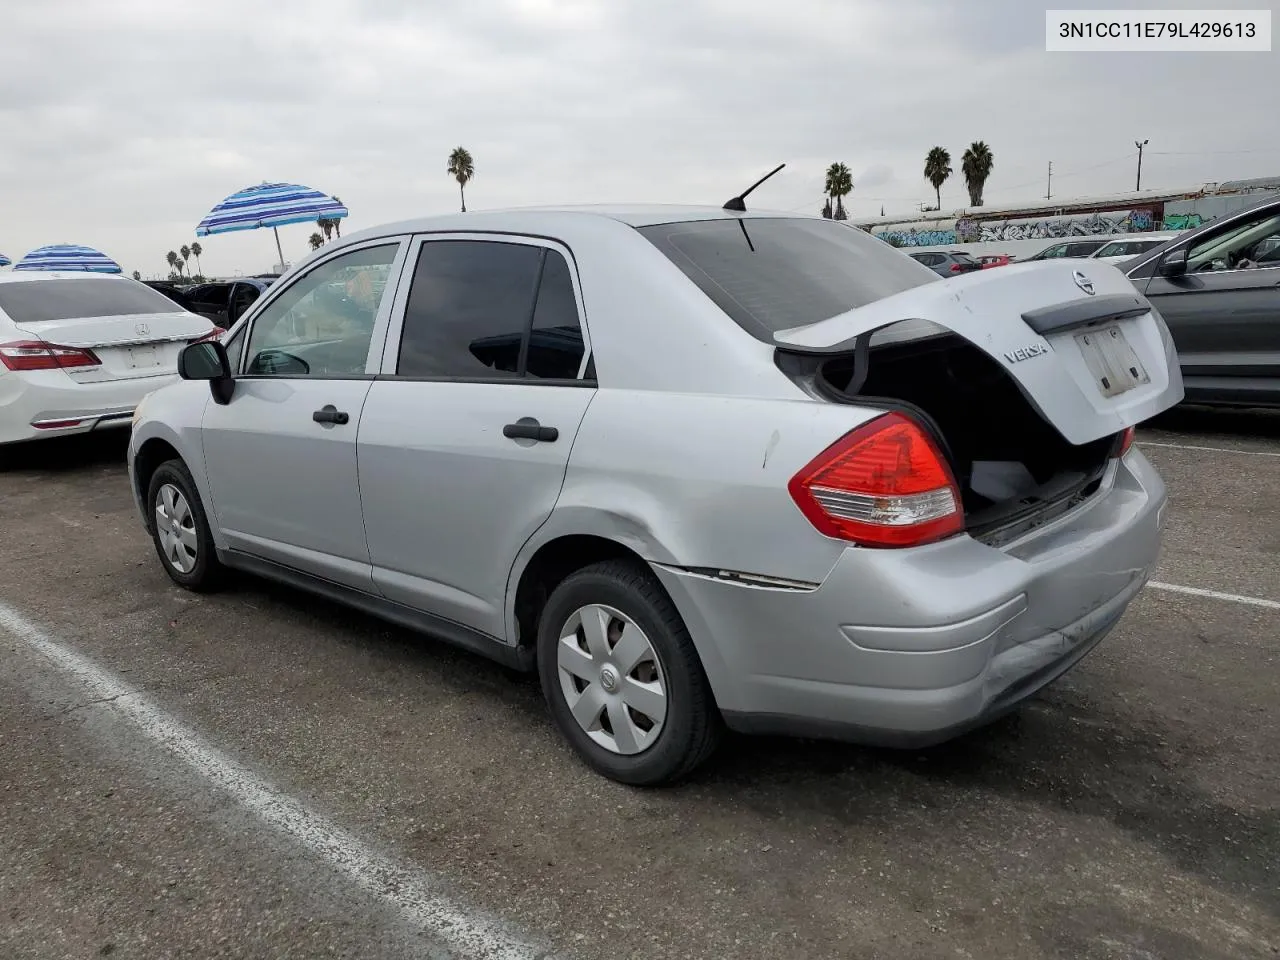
(270, 205)
(4, 261)
(68, 256)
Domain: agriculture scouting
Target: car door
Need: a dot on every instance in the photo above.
(466, 436)
(1224, 311)
(280, 456)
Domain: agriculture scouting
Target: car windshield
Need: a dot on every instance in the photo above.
(771, 274)
(36, 301)
(1127, 248)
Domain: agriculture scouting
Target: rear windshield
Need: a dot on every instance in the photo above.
(36, 300)
(772, 274)
(963, 257)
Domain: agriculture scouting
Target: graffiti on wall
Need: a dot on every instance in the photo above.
(969, 230)
(917, 238)
(1182, 221)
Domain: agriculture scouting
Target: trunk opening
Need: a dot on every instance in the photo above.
(1015, 470)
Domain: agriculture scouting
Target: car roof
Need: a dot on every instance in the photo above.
(27, 276)
(542, 218)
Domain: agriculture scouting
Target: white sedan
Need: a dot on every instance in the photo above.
(79, 350)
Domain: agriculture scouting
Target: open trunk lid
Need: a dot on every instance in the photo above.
(1084, 347)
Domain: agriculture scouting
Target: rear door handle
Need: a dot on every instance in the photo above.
(330, 414)
(529, 429)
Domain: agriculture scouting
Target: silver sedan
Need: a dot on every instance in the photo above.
(698, 468)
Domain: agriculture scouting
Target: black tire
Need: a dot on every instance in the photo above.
(207, 574)
(692, 727)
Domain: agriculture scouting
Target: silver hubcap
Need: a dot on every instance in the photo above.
(611, 679)
(176, 528)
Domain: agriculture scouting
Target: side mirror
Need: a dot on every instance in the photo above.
(1174, 263)
(207, 360)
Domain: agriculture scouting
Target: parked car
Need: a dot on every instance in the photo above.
(1068, 249)
(223, 301)
(79, 350)
(1118, 251)
(1218, 288)
(995, 260)
(687, 464)
(947, 263)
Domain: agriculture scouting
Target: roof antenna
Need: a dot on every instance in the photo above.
(738, 203)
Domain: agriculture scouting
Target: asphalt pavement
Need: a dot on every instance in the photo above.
(258, 773)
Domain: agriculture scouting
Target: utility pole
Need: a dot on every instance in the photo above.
(1139, 144)
(1048, 190)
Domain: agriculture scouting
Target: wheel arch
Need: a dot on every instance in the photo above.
(562, 548)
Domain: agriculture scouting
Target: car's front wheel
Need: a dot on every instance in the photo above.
(622, 678)
(180, 529)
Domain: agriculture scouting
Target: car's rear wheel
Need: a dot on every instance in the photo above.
(622, 678)
(180, 529)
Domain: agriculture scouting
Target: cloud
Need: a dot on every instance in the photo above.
(156, 111)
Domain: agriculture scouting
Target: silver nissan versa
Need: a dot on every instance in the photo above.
(697, 467)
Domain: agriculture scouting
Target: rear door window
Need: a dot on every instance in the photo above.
(484, 310)
(36, 301)
(770, 274)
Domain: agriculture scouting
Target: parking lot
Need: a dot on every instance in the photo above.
(261, 774)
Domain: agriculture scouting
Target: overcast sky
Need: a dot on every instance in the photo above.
(123, 121)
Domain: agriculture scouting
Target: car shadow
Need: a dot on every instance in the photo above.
(1223, 421)
(1062, 750)
(65, 454)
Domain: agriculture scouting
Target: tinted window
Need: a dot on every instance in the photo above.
(555, 343)
(771, 274)
(1083, 249)
(37, 300)
(468, 310)
(323, 323)
(963, 258)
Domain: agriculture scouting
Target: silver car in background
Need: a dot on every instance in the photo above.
(695, 467)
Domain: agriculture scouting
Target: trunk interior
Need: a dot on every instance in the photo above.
(1015, 470)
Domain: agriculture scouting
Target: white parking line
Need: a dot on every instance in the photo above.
(1192, 446)
(1214, 595)
(407, 888)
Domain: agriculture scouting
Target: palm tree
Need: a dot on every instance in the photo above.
(826, 209)
(172, 258)
(462, 168)
(316, 240)
(937, 167)
(976, 165)
(137, 274)
(185, 251)
(337, 223)
(839, 185)
(196, 250)
(326, 225)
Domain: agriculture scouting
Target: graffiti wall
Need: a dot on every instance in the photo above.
(1182, 221)
(916, 238)
(1102, 223)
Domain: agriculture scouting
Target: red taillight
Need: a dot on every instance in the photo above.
(955, 268)
(1126, 441)
(38, 355)
(213, 334)
(884, 484)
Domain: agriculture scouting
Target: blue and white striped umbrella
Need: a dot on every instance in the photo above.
(269, 205)
(4, 261)
(68, 256)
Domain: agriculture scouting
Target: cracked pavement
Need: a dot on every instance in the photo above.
(1132, 811)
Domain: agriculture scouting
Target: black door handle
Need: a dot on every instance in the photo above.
(330, 414)
(529, 429)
